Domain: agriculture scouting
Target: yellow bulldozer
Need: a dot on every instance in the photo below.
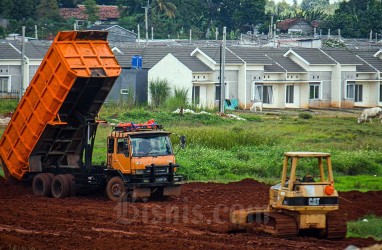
(307, 205)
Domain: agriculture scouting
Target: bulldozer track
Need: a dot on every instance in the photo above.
(276, 224)
(335, 226)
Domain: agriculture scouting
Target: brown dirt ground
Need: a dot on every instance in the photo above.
(198, 219)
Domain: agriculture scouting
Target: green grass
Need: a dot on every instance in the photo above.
(7, 105)
(1, 172)
(226, 149)
(361, 183)
(369, 226)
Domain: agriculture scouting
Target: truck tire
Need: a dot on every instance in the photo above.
(60, 186)
(115, 189)
(50, 175)
(42, 185)
(72, 186)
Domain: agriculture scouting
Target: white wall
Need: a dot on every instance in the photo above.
(175, 72)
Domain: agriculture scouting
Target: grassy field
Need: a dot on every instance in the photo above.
(225, 149)
(369, 226)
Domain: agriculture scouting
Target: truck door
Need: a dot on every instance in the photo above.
(120, 158)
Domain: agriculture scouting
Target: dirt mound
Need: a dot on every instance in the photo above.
(198, 219)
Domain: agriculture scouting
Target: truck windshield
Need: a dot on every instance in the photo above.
(153, 145)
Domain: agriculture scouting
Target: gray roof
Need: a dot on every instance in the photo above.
(152, 55)
(8, 52)
(343, 56)
(35, 51)
(192, 62)
(101, 27)
(107, 27)
(368, 56)
(313, 56)
(124, 58)
(252, 55)
(214, 54)
(277, 55)
(274, 68)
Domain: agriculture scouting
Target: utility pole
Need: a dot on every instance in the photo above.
(222, 78)
(146, 21)
(271, 28)
(22, 63)
(35, 32)
(139, 34)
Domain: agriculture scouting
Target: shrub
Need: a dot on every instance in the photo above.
(159, 91)
(179, 100)
(305, 116)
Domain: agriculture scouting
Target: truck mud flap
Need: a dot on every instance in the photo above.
(140, 192)
(171, 191)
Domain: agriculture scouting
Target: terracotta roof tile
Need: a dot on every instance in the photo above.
(106, 12)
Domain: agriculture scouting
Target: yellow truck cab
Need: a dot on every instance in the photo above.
(141, 162)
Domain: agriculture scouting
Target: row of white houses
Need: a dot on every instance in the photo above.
(280, 78)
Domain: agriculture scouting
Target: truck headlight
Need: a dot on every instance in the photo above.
(139, 171)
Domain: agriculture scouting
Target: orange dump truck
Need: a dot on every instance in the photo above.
(50, 137)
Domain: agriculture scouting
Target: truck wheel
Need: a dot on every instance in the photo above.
(41, 185)
(60, 186)
(50, 175)
(72, 187)
(115, 189)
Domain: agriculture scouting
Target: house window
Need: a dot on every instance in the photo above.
(289, 93)
(314, 91)
(3, 84)
(196, 95)
(358, 93)
(263, 93)
(350, 90)
(217, 92)
(380, 92)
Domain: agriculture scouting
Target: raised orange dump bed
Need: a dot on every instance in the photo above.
(48, 128)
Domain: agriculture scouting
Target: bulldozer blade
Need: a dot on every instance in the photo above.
(140, 192)
(171, 191)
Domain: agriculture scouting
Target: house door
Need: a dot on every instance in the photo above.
(292, 96)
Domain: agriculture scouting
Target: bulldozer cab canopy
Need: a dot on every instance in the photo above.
(306, 167)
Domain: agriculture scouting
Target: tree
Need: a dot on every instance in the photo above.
(248, 13)
(164, 7)
(19, 9)
(314, 5)
(91, 10)
(356, 18)
(48, 10)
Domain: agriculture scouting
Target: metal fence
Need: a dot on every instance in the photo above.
(14, 94)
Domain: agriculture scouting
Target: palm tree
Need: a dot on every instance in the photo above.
(164, 7)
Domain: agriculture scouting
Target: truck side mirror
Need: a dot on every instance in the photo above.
(110, 146)
(183, 141)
